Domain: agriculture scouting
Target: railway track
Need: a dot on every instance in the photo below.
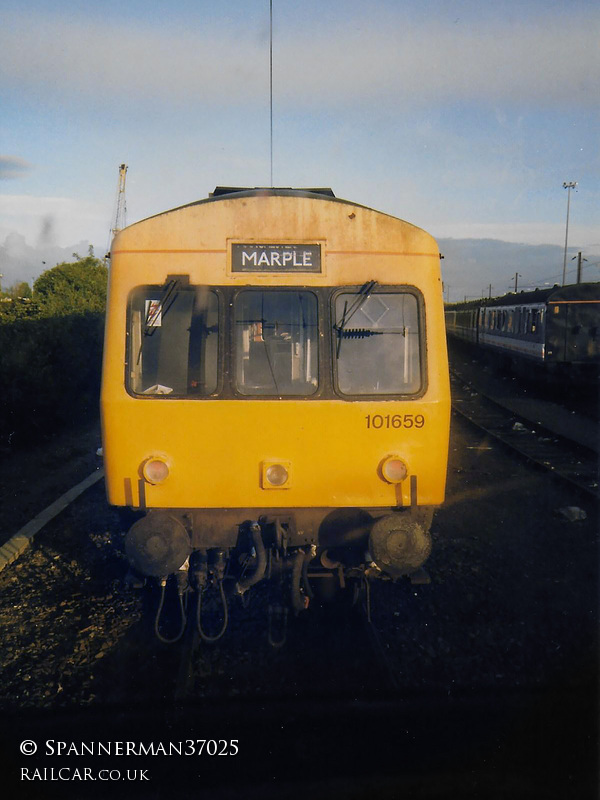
(479, 680)
(351, 657)
(568, 460)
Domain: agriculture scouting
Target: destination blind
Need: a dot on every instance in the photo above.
(275, 257)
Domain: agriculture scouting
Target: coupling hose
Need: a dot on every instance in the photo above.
(299, 600)
(182, 615)
(203, 635)
(261, 561)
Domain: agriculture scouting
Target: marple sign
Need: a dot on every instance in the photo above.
(275, 257)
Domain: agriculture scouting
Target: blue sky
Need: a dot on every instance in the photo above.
(464, 118)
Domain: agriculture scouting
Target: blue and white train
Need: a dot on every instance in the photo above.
(558, 328)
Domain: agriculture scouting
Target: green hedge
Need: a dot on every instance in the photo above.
(50, 372)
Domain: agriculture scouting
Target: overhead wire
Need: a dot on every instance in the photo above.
(271, 79)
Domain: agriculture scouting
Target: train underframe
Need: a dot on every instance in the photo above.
(301, 555)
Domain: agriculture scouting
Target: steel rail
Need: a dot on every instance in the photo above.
(567, 460)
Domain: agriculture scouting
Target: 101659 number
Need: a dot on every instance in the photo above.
(377, 421)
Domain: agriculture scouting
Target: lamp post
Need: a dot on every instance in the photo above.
(568, 187)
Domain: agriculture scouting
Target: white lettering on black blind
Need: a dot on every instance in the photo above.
(275, 257)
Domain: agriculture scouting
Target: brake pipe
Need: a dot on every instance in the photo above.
(181, 586)
(261, 562)
(299, 601)
(203, 635)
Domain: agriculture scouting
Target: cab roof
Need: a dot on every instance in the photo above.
(263, 190)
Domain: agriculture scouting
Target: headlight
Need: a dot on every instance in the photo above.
(394, 470)
(275, 475)
(155, 470)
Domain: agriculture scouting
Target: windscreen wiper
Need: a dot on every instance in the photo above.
(362, 296)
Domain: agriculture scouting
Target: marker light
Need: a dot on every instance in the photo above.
(275, 475)
(155, 470)
(394, 470)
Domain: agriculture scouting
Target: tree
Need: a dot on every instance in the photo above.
(21, 289)
(72, 287)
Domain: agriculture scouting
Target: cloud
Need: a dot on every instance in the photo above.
(48, 220)
(541, 63)
(20, 261)
(13, 167)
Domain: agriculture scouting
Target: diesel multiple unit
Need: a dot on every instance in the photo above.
(556, 329)
(275, 398)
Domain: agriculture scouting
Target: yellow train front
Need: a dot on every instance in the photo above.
(275, 396)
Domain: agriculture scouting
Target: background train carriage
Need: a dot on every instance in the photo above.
(275, 372)
(558, 328)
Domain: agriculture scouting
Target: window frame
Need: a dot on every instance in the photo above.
(327, 378)
(232, 346)
(145, 288)
(422, 328)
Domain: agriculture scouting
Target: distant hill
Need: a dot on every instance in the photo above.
(471, 265)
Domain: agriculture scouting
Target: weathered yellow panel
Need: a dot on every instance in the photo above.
(215, 448)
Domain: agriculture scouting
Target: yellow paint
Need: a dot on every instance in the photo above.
(216, 449)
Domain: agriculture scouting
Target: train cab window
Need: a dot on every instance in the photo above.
(173, 341)
(276, 343)
(377, 343)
